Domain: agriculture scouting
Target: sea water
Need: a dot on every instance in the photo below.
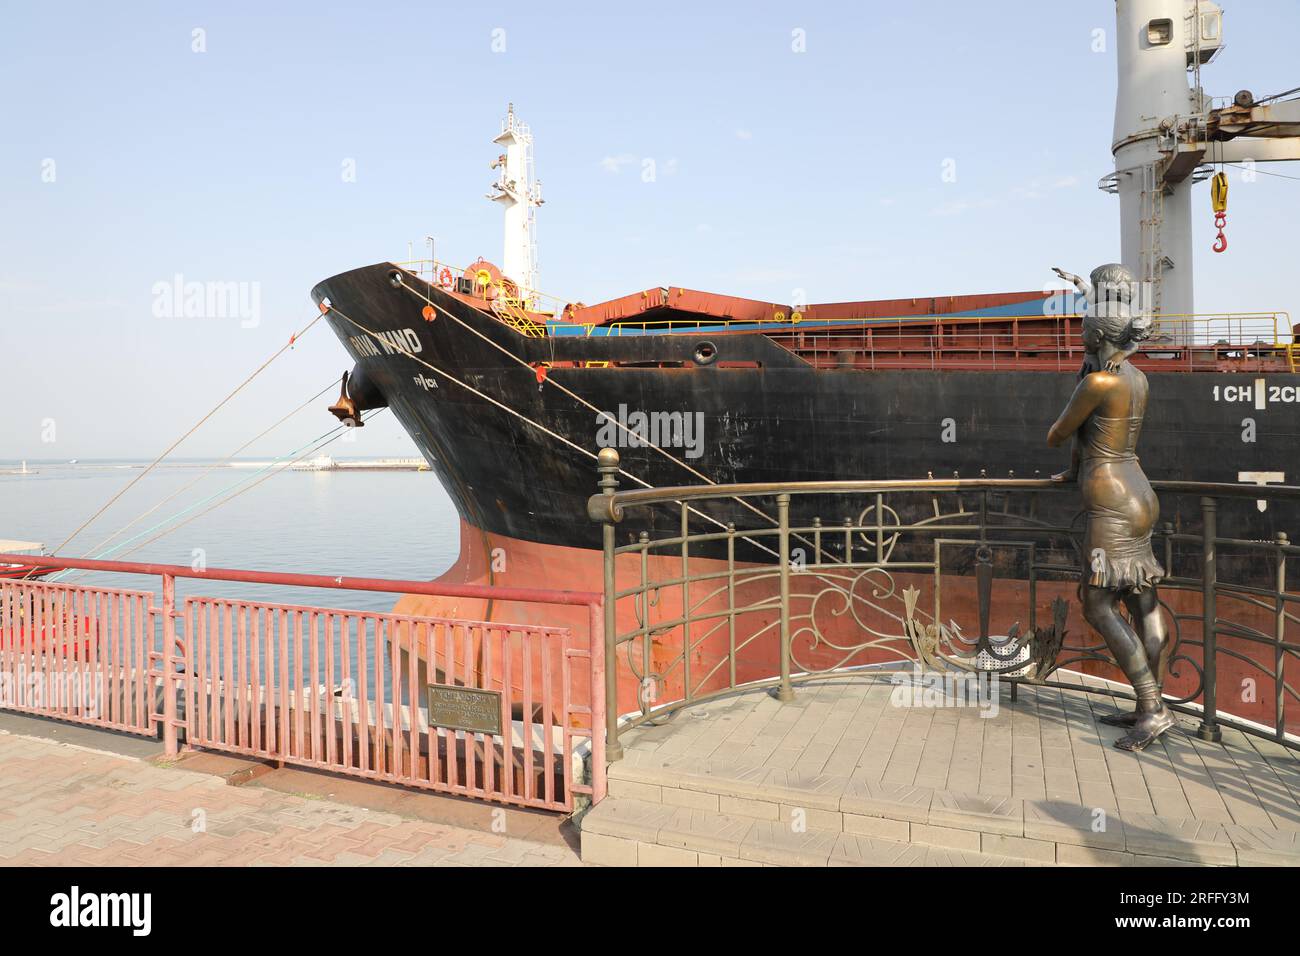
(383, 524)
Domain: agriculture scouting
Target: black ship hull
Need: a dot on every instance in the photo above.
(766, 415)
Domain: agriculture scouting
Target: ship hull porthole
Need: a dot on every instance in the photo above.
(706, 353)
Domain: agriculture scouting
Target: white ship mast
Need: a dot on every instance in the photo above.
(1167, 130)
(520, 194)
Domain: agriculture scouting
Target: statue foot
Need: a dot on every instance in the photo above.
(1146, 728)
(1122, 719)
(1119, 720)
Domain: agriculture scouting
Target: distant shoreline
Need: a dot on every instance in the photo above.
(36, 467)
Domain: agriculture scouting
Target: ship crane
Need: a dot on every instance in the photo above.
(1246, 131)
(520, 194)
(1167, 135)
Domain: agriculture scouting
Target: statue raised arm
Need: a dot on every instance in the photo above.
(1110, 295)
(1074, 280)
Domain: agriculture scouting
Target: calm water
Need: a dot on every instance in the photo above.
(372, 524)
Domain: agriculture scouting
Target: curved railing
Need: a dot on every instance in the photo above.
(712, 589)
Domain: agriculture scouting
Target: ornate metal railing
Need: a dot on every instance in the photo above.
(711, 589)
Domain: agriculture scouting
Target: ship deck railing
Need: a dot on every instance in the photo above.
(1242, 342)
(1254, 341)
(1209, 341)
(527, 315)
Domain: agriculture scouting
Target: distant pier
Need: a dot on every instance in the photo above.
(326, 463)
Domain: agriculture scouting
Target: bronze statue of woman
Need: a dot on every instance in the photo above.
(1104, 416)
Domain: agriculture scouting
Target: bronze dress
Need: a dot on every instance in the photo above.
(1120, 506)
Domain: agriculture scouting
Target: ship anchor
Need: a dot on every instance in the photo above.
(345, 409)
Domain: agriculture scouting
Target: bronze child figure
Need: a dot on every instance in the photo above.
(1104, 416)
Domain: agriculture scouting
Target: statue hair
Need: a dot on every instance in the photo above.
(1111, 315)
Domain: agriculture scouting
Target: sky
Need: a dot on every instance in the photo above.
(794, 146)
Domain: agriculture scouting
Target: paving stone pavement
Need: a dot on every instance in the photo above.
(64, 805)
(1048, 745)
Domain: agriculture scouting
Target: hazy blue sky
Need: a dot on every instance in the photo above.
(776, 170)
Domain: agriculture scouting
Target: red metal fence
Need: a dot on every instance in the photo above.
(78, 653)
(339, 690)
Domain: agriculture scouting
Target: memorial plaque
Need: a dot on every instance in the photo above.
(465, 708)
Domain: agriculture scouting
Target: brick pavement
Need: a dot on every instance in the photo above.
(66, 805)
(1047, 746)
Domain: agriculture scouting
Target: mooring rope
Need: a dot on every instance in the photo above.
(172, 447)
(98, 551)
(602, 414)
(524, 418)
(266, 471)
(549, 381)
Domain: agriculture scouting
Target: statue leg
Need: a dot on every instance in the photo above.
(1100, 609)
(1144, 608)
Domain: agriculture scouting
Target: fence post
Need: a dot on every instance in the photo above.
(1209, 729)
(596, 615)
(785, 692)
(169, 664)
(608, 465)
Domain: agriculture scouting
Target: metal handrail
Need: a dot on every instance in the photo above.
(703, 606)
(192, 669)
(174, 653)
(433, 267)
(607, 506)
(919, 322)
(336, 583)
(1276, 323)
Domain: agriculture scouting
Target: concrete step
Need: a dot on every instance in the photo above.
(628, 832)
(803, 817)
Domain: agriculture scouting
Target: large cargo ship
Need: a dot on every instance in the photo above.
(510, 397)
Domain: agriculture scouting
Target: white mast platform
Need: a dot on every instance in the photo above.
(520, 194)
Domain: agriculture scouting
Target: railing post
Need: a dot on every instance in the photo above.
(1209, 729)
(169, 664)
(607, 466)
(784, 692)
(1279, 653)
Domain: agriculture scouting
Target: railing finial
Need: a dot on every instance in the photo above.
(607, 461)
(600, 506)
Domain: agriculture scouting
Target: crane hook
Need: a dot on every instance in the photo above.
(1219, 200)
(1221, 241)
